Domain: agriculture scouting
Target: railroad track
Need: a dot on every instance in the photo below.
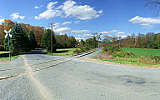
(45, 65)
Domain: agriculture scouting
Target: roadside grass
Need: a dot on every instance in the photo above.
(133, 61)
(7, 58)
(143, 57)
(1, 52)
(63, 52)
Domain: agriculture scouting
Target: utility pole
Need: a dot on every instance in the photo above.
(98, 36)
(8, 35)
(52, 25)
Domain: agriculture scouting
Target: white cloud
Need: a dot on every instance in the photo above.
(69, 9)
(144, 21)
(121, 33)
(37, 7)
(1, 19)
(65, 23)
(104, 32)
(79, 38)
(16, 16)
(123, 36)
(82, 12)
(51, 5)
(112, 31)
(117, 33)
(80, 31)
(84, 36)
(50, 12)
(63, 30)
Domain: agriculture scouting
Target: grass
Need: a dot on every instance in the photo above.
(1, 52)
(143, 52)
(63, 52)
(133, 61)
(7, 58)
(137, 60)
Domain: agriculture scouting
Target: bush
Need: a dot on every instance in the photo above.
(150, 59)
(76, 52)
(84, 49)
(110, 49)
(122, 53)
(104, 49)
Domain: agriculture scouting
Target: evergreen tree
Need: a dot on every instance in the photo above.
(46, 40)
(19, 42)
(32, 40)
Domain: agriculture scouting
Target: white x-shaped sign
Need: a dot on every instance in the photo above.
(8, 33)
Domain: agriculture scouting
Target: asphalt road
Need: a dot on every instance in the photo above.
(41, 77)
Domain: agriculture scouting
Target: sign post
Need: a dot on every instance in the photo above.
(9, 36)
(52, 26)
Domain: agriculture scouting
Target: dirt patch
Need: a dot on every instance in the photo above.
(127, 65)
(3, 61)
(102, 55)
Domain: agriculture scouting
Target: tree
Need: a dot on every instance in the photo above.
(19, 42)
(8, 24)
(32, 40)
(63, 41)
(46, 40)
(82, 43)
(91, 43)
(60, 43)
(73, 41)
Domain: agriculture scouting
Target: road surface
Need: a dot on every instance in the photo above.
(41, 77)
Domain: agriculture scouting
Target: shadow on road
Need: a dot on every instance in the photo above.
(37, 51)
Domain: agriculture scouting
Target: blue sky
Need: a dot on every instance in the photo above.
(79, 17)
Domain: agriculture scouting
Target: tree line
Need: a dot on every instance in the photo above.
(38, 31)
(148, 40)
(58, 41)
(26, 37)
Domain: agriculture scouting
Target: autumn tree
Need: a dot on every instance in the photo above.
(8, 24)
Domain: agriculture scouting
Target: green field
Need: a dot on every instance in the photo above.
(63, 52)
(143, 52)
(141, 58)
